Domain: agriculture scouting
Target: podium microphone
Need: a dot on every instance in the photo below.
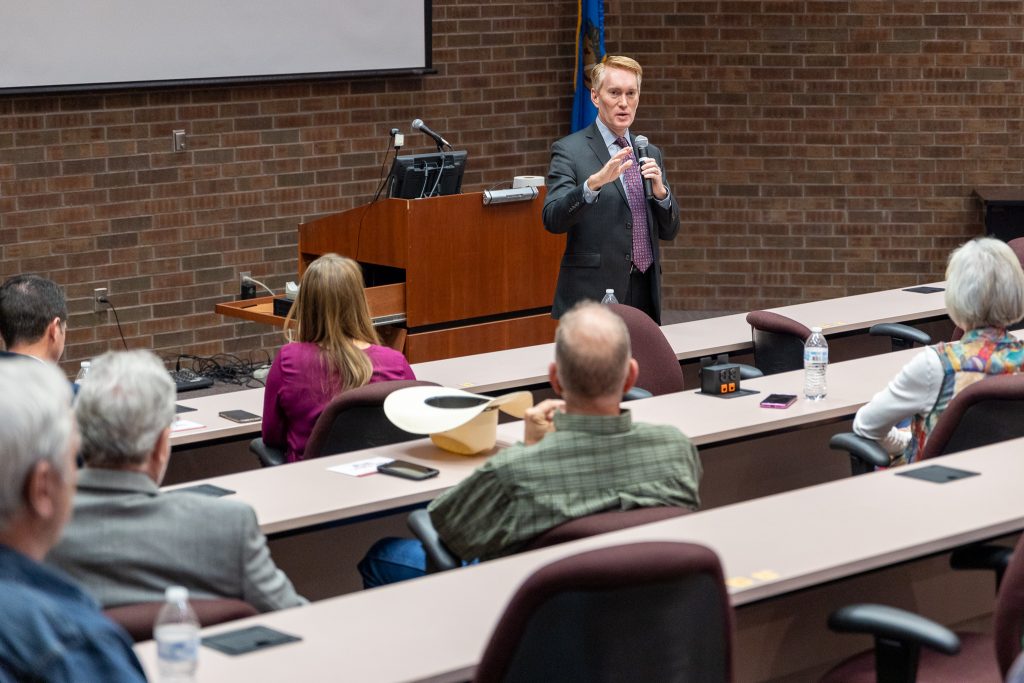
(641, 152)
(417, 124)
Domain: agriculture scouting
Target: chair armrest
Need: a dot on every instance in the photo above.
(439, 557)
(749, 372)
(903, 336)
(891, 623)
(635, 393)
(268, 455)
(982, 556)
(865, 451)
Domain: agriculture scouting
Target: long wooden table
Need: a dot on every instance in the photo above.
(525, 366)
(206, 413)
(435, 628)
(305, 494)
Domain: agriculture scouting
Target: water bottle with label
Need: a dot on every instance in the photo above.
(176, 632)
(83, 372)
(609, 297)
(815, 365)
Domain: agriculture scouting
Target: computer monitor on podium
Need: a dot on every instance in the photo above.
(426, 175)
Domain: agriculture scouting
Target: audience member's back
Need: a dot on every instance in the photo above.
(50, 629)
(579, 456)
(128, 541)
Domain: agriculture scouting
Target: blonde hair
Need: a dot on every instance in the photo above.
(330, 311)
(612, 62)
(984, 285)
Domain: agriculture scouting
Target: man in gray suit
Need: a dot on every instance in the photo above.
(613, 231)
(127, 541)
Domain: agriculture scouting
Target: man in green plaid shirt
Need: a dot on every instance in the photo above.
(580, 455)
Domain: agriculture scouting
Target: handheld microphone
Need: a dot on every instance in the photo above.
(418, 124)
(641, 152)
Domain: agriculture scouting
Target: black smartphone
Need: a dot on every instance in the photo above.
(204, 490)
(239, 416)
(778, 400)
(407, 470)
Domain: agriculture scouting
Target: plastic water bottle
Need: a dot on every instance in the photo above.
(83, 372)
(177, 637)
(609, 297)
(815, 365)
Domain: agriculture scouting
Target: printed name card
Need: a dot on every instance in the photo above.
(361, 468)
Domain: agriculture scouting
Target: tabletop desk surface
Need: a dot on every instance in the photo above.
(435, 628)
(213, 426)
(528, 365)
(525, 366)
(305, 494)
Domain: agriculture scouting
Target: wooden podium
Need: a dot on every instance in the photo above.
(463, 277)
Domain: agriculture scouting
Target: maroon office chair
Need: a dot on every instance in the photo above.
(602, 523)
(951, 657)
(778, 342)
(138, 618)
(638, 612)
(441, 558)
(989, 411)
(353, 420)
(660, 372)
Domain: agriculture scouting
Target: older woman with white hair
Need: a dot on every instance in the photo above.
(984, 296)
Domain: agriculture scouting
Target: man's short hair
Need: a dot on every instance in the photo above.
(592, 351)
(123, 406)
(28, 303)
(36, 425)
(615, 62)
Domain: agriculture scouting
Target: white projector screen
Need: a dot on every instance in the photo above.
(100, 44)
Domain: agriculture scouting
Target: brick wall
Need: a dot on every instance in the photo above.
(826, 148)
(818, 149)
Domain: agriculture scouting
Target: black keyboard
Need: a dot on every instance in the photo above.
(186, 380)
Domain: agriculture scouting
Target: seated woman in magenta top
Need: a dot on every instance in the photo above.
(336, 348)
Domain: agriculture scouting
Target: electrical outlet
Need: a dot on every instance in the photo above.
(99, 299)
(247, 287)
(178, 140)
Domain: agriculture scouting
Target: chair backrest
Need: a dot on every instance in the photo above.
(602, 523)
(638, 612)
(778, 342)
(355, 419)
(988, 411)
(1008, 620)
(660, 372)
(1018, 248)
(137, 619)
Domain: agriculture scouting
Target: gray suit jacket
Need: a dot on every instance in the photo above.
(599, 248)
(127, 542)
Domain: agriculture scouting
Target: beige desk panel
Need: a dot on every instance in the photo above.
(305, 494)
(215, 427)
(435, 628)
(726, 334)
(528, 365)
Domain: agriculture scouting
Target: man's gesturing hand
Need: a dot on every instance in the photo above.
(540, 419)
(611, 171)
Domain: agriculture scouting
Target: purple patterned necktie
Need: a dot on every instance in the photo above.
(642, 257)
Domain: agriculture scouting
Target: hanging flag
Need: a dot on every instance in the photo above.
(589, 51)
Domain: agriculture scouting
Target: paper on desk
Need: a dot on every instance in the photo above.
(184, 425)
(361, 468)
